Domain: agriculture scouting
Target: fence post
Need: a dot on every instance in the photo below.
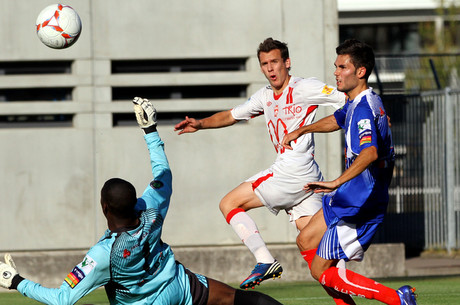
(449, 172)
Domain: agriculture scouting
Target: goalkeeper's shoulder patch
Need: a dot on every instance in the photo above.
(156, 184)
(80, 271)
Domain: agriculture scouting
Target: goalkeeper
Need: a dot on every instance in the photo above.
(131, 260)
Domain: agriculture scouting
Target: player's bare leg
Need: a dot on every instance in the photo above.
(242, 197)
(311, 228)
(302, 222)
(342, 280)
(222, 294)
(311, 234)
(234, 206)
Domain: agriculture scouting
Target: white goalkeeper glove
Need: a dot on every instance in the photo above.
(146, 114)
(7, 272)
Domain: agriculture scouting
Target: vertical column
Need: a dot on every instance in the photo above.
(82, 94)
(449, 172)
(102, 94)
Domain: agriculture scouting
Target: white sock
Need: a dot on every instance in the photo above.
(247, 231)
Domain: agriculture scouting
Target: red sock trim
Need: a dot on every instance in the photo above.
(308, 256)
(233, 213)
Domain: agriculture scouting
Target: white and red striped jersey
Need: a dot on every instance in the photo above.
(294, 108)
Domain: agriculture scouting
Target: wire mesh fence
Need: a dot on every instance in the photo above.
(424, 209)
(411, 74)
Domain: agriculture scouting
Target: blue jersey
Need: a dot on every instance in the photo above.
(134, 266)
(363, 199)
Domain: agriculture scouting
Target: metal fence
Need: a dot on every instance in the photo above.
(424, 209)
(412, 74)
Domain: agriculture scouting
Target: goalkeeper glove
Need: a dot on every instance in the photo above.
(146, 115)
(7, 272)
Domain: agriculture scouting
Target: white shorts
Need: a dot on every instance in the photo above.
(346, 241)
(284, 192)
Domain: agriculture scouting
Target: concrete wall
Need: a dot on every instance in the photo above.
(52, 174)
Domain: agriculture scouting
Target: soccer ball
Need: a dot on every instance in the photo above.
(58, 26)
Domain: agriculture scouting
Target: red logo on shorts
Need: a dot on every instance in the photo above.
(126, 253)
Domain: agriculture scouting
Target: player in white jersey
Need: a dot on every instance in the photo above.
(131, 260)
(355, 203)
(288, 103)
(280, 186)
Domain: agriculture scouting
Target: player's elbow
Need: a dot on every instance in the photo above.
(230, 119)
(372, 153)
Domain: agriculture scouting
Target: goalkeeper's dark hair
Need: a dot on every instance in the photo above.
(271, 44)
(360, 53)
(120, 197)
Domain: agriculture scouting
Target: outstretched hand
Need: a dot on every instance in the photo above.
(146, 114)
(7, 272)
(187, 126)
(321, 186)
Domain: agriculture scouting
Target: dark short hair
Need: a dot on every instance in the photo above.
(120, 197)
(270, 44)
(360, 53)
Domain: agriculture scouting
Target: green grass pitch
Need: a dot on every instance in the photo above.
(430, 290)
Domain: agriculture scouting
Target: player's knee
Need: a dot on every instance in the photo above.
(300, 243)
(305, 242)
(229, 203)
(225, 206)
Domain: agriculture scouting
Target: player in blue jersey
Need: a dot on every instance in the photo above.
(131, 260)
(355, 203)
